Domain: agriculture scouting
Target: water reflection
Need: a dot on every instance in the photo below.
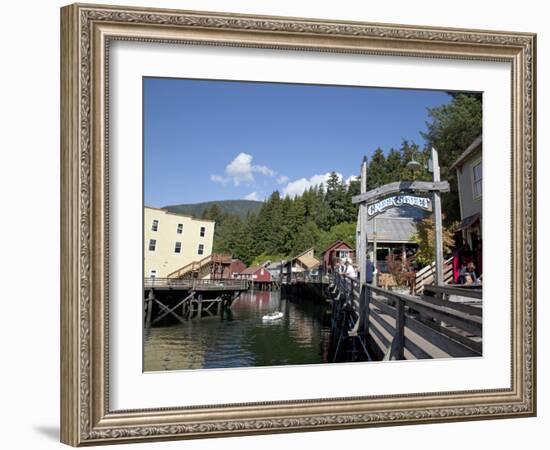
(239, 338)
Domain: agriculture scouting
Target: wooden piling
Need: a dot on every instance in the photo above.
(199, 305)
(149, 307)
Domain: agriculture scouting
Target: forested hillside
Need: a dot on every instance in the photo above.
(239, 207)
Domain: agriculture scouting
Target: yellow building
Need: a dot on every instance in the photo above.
(172, 241)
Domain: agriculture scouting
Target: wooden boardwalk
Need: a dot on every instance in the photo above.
(196, 284)
(378, 324)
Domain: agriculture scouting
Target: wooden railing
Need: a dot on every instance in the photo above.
(196, 284)
(310, 277)
(400, 326)
(426, 275)
(197, 266)
(472, 291)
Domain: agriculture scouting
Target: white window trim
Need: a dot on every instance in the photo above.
(473, 165)
(176, 246)
(149, 245)
(178, 228)
(153, 225)
(460, 190)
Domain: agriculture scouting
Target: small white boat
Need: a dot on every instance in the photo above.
(272, 316)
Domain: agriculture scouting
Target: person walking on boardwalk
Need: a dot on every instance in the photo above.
(349, 270)
(342, 266)
(369, 270)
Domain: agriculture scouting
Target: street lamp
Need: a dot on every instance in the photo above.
(414, 165)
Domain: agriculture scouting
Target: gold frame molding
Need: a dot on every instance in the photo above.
(86, 31)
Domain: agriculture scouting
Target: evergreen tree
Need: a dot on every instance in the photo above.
(295, 221)
(377, 170)
(213, 213)
(343, 231)
(453, 127)
(336, 199)
(227, 234)
(351, 209)
(248, 247)
(409, 152)
(277, 237)
(320, 212)
(307, 236)
(394, 165)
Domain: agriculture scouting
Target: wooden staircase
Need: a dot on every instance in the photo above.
(426, 276)
(202, 268)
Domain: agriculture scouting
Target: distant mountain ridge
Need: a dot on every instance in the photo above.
(238, 207)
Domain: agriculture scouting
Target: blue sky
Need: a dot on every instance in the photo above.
(217, 140)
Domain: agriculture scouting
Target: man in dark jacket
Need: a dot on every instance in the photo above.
(369, 272)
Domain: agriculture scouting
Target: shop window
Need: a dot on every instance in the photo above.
(476, 179)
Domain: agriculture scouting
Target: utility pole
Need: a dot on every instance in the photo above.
(438, 222)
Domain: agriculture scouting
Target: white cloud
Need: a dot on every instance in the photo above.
(298, 187)
(282, 179)
(350, 179)
(252, 196)
(218, 179)
(264, 170)
(241, 170)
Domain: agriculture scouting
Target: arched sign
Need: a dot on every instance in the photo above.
(380, 206)
(419, 194)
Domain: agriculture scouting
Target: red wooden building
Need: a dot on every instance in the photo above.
(258, 274)
(235, 268)
(224, 267)
(337, 251)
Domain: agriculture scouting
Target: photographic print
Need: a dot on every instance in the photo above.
(297, 201)
(290, 224)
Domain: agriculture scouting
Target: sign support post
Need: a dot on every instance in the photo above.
(362, 246)
(374, 252)
(438, 222)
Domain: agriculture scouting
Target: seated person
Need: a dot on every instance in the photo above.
(468, 273)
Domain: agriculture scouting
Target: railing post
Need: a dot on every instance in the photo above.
(364, 310)
(399, 329)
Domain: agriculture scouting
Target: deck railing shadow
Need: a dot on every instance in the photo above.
(395, 325)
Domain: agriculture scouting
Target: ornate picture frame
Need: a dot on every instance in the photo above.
(86, 34)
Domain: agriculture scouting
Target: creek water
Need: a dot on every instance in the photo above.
(239, 337)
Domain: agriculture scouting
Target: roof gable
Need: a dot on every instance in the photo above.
(308, 261)
(308, 252)
(472, 149)
(336, 244)
(250, 270)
